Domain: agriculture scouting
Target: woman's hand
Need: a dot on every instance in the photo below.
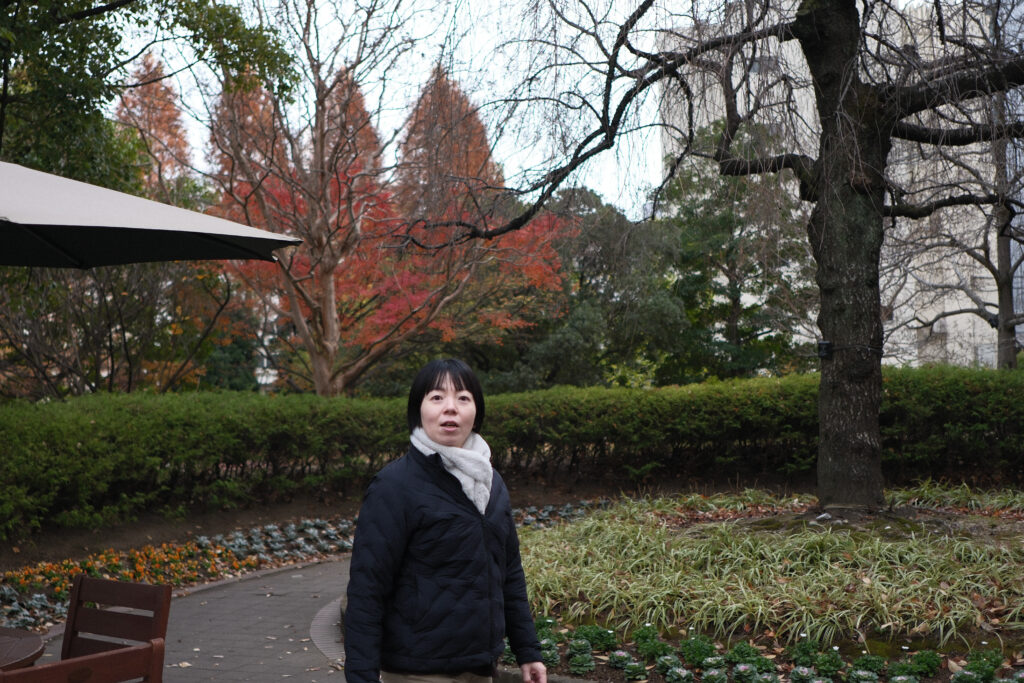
(534, 672)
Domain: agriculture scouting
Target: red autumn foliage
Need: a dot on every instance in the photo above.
(359, 287)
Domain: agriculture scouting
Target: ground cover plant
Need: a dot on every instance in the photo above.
(771, 586)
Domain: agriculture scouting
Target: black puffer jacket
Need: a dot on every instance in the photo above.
(434, 586)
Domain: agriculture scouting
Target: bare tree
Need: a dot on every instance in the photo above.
(845, 81)
(964, 263)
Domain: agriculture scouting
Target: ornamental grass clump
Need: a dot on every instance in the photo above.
(648, 561)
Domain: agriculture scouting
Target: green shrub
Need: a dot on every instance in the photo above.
(745, 672)
(872, 663)
(549, 654)
(635, 671)
(985, 664)
(678, 674)
(106, 457)
(696, 649)
(618, 659)
(902, 668)
(802, 674)
(582, 663)
(665, 662)
(715, 676)
(925, 663)
(804, 653)
(862, 676)
(828, 664)
(742, 652)
(601, 639)
(903, 678)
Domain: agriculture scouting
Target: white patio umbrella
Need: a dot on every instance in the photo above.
(46, 220)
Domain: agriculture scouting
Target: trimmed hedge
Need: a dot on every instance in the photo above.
(102, 458)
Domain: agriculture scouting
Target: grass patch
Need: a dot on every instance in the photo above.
(930, 494)
(644, 561)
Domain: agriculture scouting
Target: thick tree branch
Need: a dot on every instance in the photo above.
(96, 11)
(900, 210)
(967, 135)
(957, 83)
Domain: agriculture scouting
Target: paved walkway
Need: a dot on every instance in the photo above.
(273, 625)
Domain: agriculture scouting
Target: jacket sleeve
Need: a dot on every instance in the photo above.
(380, 540)
(522, 635)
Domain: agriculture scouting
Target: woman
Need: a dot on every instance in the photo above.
(436, 581)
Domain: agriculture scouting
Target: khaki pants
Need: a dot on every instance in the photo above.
(387, 677)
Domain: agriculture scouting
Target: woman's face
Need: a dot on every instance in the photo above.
(447, 415)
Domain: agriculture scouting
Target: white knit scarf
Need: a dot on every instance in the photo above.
(471, 464)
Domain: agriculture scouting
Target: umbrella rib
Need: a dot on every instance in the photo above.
(233, 245)
(72, 259)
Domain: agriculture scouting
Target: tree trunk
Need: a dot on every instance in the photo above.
(1006, 345)
(847, 242)
(845, 231)
(1006, 340)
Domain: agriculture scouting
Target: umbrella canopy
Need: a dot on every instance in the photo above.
(46, 220)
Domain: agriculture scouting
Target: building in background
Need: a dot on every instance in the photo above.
(940, 297)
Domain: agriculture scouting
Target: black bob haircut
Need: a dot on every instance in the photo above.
(435, 375)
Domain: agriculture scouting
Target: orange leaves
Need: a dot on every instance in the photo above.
(153, 111)
(379, 264)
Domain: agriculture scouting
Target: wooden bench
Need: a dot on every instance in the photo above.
(143, 662)
(107, 615)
